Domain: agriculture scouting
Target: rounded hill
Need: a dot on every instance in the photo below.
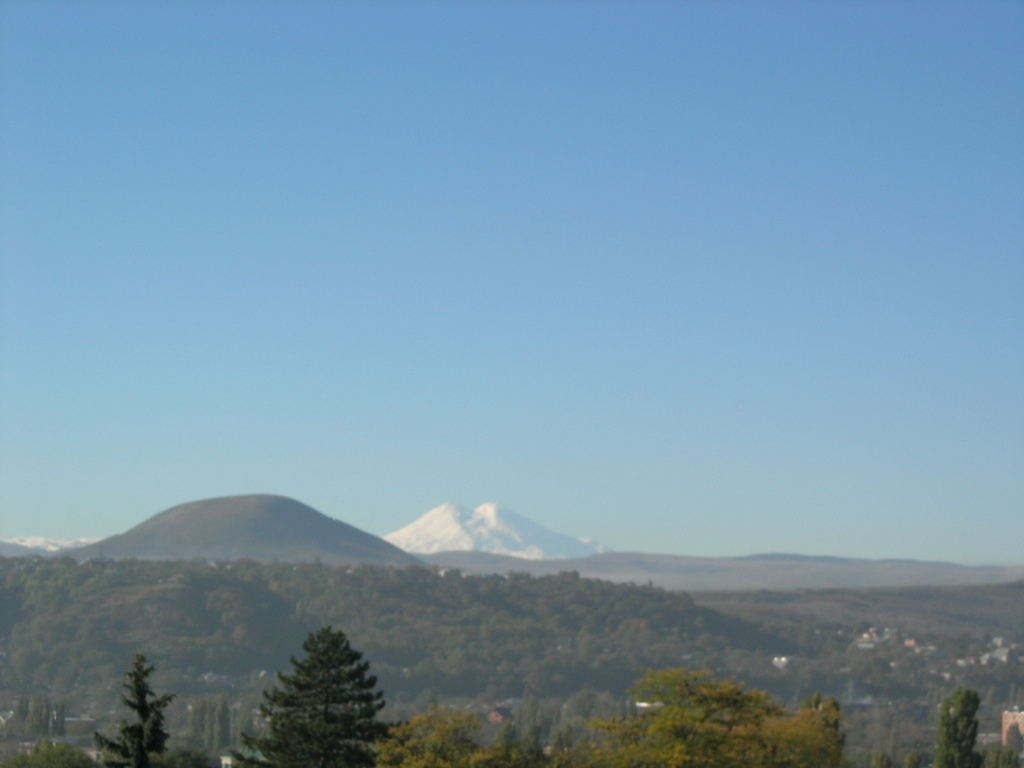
(256, 527)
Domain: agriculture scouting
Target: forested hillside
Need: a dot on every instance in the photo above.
(218, 633)
(951, 610)
(67, 625)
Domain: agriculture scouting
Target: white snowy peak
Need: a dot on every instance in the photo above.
(44, 544)
(488, 528)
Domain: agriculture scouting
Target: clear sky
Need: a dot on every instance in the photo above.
(699, 278)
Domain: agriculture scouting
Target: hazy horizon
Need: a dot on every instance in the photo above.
(581, 536)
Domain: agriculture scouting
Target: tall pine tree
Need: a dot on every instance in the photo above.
(145, 736)
(323, 715)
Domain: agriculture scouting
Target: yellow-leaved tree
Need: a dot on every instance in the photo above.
(693, 720)
(443, 738)
(440, 738)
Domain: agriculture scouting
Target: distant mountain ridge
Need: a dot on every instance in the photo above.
(488, 528)
(17, 546)
(259, 527)
(274, 528)
(754, 572)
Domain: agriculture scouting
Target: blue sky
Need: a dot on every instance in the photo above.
(698, 278)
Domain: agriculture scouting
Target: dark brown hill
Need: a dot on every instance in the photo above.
(255, 527)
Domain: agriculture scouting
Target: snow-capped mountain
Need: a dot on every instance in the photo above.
(39, 545)
(488, 528)
(44, 544)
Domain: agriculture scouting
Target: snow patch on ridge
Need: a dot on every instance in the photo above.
(488, 528)
(44, 544)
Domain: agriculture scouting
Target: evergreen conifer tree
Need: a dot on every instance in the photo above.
(323, 715)
(222, 723)
(958, 730)
(144, 737)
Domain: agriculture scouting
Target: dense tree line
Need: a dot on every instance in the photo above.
(325, 714)
(34, 718)
(211, 726)
(72, 626)
(568, 647)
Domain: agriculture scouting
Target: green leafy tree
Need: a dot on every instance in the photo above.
(958, 730)
(58, 723)
(37, 724)
(1014, 739)
(323, 715)
(197, 721)
(509, 751)
(19, 719)
(913, 760)
(183, 758)
(21, 709)
(48, 755)
(997, 757)
(145, 736)
(221, 724)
